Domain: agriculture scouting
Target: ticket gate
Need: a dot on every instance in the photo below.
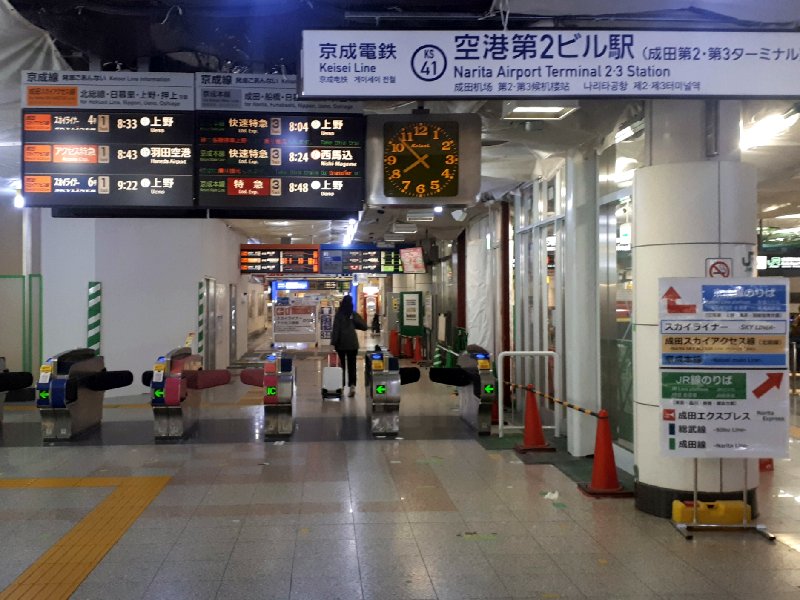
(383, 378)
(12, 381)
(277, 380)
(70, 392)
(477, 388)
(175, 402)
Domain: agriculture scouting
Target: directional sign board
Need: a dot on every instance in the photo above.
(724, 414)
(724, 378)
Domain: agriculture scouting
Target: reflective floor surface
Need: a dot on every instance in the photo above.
(335, 514)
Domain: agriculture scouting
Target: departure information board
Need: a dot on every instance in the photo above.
(108, 140)
(309, 260)
(260, 160)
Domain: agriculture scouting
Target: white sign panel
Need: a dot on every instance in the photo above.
(296, 323)
(411, 310)
(107, 89)
(252, 92)
(724, 414)
(527, 63)
(724, 377)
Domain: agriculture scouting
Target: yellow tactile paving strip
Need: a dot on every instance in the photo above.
(60, 570)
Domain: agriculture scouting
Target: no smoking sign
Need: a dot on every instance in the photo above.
(719, 267)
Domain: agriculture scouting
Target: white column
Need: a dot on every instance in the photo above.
(581, 344)
(687, 208)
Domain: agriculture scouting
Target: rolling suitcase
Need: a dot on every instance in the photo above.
(332, 378)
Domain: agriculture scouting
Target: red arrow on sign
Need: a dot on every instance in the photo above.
(672, 297)
(773, 381)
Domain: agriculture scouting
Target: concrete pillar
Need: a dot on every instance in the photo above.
(688, 206)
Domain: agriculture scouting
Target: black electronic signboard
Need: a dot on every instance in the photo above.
(294, 259)
(271, 161)
(101, 141)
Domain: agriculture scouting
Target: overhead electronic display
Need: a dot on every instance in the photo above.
(107, 140)
(313, 260)
(253, 160)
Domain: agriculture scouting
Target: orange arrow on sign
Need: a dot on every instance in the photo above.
(773, 381)
(672, 296)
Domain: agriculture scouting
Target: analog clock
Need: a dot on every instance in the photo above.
(420, 159)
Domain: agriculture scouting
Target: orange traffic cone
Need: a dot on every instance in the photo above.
(417, 349)
(394, 342)
(604, 469)
(765, 464)
(533, 436)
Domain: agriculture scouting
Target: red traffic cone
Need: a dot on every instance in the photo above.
(394, 342)
(533, 436)
(417, 349)
(604, 469)
(765, 464)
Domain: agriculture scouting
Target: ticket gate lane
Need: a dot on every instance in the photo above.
(277, 379)
(477, 388)
(70, 392)
(383, 381)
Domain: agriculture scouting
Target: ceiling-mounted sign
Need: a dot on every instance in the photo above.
(107, 139)
(261, 148)
(555, 63)
(278, 259)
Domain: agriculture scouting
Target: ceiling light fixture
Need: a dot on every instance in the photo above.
(793, 216)
(764, 131)
(394, 237)
(19, 199)
(419, 216)
(532, 110)
(438, 209)
(772, 207)
(404, 228)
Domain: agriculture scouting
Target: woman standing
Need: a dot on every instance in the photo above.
(345, 340)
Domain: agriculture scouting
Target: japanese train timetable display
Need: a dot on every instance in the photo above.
(254, 160)
(107, 158)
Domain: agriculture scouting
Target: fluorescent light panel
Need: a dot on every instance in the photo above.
(404, 228)
(419, 215)
(530, 110)
(394, 237)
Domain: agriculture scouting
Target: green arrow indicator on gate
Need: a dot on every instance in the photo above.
(380, 389)
(489, 389)
(44, 395)
(158, 393)
(272, 391)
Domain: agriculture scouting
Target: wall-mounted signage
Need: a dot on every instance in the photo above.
(107, 139)
(557, 63)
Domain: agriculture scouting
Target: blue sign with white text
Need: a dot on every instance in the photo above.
(744, 298)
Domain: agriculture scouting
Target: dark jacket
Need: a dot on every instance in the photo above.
(343, 335)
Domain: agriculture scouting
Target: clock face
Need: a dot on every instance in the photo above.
(420, 159)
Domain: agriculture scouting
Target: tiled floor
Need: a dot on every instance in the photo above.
(380, 519)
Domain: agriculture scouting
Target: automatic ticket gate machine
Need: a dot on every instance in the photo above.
(70, 391)
(11, 382)
(477, 388)
(276, 378)
(175, 402)
(383, 379)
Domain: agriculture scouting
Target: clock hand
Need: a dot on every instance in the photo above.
(419, 160)
(417, 156)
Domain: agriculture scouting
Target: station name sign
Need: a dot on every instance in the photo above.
(575, 63)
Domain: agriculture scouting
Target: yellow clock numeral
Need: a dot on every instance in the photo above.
(450, 159)
(436, 133)
(420, 129)
(447, 145)
(397, 147)
(421, 189)
(395, 174)
(447, 174)
(406, 136)
(391, 159)
(435, 185)
(406, 183)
